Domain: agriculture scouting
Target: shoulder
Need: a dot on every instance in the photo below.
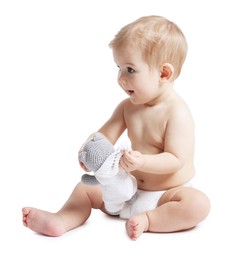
(179, 110)
(124, 104)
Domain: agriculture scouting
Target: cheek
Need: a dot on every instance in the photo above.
(141, 84)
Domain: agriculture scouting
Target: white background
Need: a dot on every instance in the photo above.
(58, 85)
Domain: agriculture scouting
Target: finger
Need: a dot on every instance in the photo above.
(127, 155)
(135, 153)
(122, 163)
(125, 161)
(125, 164)
(84, 167)
(129, 159)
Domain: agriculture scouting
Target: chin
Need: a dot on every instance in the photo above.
(135, 102)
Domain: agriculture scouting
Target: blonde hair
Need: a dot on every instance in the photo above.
(159, 40)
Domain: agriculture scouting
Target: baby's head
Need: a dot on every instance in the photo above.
(95, 151)
(159, 40)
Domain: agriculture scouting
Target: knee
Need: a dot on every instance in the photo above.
(92, 194)
(198, 206)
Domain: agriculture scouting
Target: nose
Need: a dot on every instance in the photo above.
(122, 81)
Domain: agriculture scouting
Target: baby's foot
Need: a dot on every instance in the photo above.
(136, 225)
(43, 222)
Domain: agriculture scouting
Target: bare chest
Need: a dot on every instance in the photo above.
(146, 129)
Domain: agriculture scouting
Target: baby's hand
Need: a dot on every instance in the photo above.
(131, 161)
(83, 167)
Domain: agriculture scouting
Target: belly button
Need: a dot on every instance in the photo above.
(141, 180)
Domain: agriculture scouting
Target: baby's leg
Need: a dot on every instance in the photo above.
(75, 212)
(43, 222)
(178, 209)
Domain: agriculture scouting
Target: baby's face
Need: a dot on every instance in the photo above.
(135, 77)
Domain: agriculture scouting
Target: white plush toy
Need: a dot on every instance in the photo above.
(118, 186)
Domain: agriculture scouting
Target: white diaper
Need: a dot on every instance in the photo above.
(142, 201)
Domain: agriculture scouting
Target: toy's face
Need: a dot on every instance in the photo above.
(95, 151)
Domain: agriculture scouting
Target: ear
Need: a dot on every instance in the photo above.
(167, 72)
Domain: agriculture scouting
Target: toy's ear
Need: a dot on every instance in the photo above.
(89, 179)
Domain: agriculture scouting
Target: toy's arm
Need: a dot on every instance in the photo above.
(116, 125)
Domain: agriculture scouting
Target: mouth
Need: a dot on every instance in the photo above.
(130, 92)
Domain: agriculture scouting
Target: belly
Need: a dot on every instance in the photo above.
(154, 182)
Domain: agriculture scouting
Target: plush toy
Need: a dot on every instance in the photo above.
(99, 156)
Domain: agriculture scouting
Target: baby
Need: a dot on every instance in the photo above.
(149, 53)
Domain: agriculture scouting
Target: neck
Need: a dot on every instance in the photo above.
(165, 94)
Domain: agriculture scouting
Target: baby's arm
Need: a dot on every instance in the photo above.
(116, 125)
(162, 163)
(178, 148)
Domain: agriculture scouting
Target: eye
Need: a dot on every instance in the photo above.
(130, 70)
